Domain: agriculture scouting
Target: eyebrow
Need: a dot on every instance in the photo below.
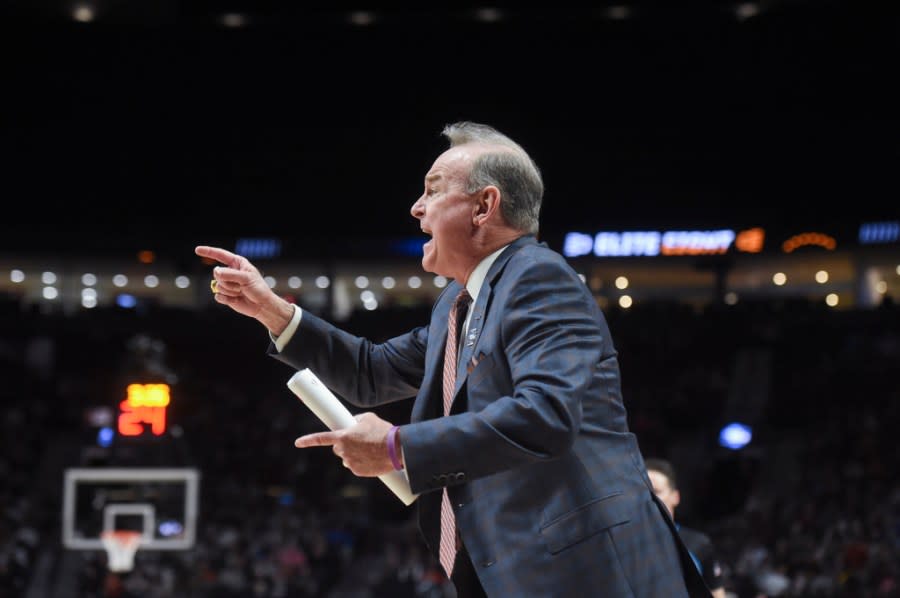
(432, 178)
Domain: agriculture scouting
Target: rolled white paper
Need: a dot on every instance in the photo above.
(333, 414)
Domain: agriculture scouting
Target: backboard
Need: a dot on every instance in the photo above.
(160, 503)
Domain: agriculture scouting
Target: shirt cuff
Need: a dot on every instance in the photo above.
(405, 473)
(282, 340)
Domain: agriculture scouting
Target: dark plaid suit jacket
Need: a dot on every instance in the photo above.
(548, 484)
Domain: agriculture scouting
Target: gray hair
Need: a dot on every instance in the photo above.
(512, 171)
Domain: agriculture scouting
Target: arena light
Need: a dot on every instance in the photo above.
(804, 239)
(735, 436)
(105, 436)
(879, 232)
(751, 240)
(126, 301)
(411, 246)
(262, 248)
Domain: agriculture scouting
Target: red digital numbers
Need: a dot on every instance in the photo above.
(144, 405)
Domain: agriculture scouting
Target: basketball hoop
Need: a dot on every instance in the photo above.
(120, 547)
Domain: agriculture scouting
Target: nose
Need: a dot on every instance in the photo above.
(418, 209)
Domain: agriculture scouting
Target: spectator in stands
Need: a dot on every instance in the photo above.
(665, 485)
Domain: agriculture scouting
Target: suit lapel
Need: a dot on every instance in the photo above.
(473, 335)
(469, 345)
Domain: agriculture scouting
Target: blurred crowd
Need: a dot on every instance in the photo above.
(809, 508)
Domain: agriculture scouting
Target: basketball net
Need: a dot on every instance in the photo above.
(120, 545)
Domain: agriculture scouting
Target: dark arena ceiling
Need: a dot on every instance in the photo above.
(190, 121)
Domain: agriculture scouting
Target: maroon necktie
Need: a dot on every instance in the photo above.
(448, 520)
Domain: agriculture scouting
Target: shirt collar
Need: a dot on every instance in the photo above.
(476, 279)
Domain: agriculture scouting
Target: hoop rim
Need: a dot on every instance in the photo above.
(122, 537)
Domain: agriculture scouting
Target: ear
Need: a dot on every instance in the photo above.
(676, 499)
(487, 205)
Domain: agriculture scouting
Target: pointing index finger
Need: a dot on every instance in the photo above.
(216, 253)
(317, 439)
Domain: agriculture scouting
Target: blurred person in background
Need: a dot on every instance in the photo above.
(703, 551)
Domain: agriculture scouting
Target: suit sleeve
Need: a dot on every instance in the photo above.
(361, 372)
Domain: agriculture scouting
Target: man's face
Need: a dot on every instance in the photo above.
(663, 489)
(445, 212)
